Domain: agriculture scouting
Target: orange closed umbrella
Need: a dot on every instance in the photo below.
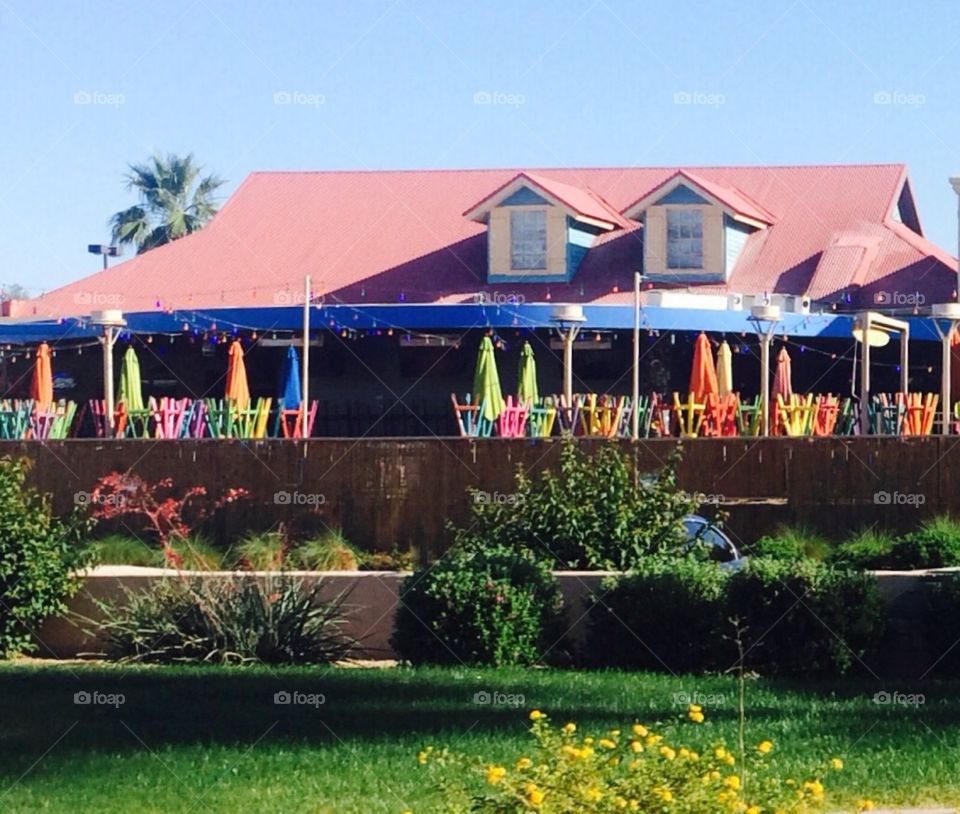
(955, 366)
(41, 390)
(238, 391)
(703, 377)
(782, 384)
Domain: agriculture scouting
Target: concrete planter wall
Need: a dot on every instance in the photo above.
(370, 600)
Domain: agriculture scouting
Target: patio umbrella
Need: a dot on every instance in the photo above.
(41, 389)
(486, 381)
(782, 384)
(527, 390)
(131, 390)
(703, 376)
(290, 393)
(238, 391)
(724, 369)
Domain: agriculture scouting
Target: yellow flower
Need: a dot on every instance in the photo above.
(640, 730)
(636, 746)
(664, 794)
(614, 733)
(534, 794)
(606, 743)
(764, 747)
(732, 782)
(836, 764)
(536, 715)
(653, 740)
(696, 717)
(815, 787)
(753, 810)
(421, 758)
(495, 774)
(593, 794)
(694, 708)
(720, 752)
(667, 752)
(866, 805)
(570, 728)
(524, 763)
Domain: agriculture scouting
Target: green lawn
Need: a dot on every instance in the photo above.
(212, 740)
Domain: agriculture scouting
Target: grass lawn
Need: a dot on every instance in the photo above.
(212, 739)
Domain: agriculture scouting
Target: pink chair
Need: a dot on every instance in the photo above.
(513, 420)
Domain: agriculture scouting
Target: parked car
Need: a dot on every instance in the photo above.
(721, 547)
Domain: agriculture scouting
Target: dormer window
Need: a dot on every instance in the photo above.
(528, 239)
(685, 238)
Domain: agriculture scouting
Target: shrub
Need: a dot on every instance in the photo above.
(595, 511)
(117, 549)
(329, 552)
(262, 551)
(662, 616)
(936, 544)
(496, 605)
(39, 557)
(238, 620)
(803, 618)
(791, 543)
(393, 560)
(194, 553)
(630, 769)
(869, 549)
(795, 618)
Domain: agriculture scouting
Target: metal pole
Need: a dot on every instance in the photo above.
(305, 361)
(108, 341)
(865, 376)
(636, 355)
(568, 338)
(765, 380)
(905, 361)
(945, 382)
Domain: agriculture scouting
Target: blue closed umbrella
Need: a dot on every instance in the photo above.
(290, 393)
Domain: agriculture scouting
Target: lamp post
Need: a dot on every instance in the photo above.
(111, 321)
(955, 183)
(568, 319)
(105, 251)
(765, 317)
(949, 313)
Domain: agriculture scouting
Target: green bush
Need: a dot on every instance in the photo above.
(39, 556)
(117, 549)
(194, 553)
(796, 617)
(329, 552)
(264, 551)
(225, 620)
(805, 618)
(393, 560)
(595, 511)
(663, 616)
(791, 543)
(936, 544)
(496, 605)
(868, 550)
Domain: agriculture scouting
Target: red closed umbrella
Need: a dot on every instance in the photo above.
(41, 389)
(703, 376)
(782, 378)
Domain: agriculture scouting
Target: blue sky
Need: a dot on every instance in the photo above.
(88, 87)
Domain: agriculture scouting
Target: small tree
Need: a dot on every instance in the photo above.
(39, 559)
(596, 511)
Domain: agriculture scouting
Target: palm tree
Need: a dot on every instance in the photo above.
(173, 202)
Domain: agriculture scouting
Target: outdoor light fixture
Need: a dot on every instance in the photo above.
(568, 318)
(111, 321)
(106, 251)
(765, 317)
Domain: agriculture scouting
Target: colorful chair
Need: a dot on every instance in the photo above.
(541, 418)
(512, 422)
(689, 415)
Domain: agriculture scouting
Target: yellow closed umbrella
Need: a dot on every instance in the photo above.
(238, 391)
(724, 369)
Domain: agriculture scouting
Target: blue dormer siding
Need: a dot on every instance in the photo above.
(580, 237)
(735, 236)
(525, 197)
(682, 195)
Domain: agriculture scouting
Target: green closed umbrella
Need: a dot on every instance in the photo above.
(486, 382)
(527, 390)
(131, 390)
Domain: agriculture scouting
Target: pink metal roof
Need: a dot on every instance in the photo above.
(385, 236)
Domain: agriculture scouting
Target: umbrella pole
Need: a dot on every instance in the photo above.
(635, 416)
(305, 362)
